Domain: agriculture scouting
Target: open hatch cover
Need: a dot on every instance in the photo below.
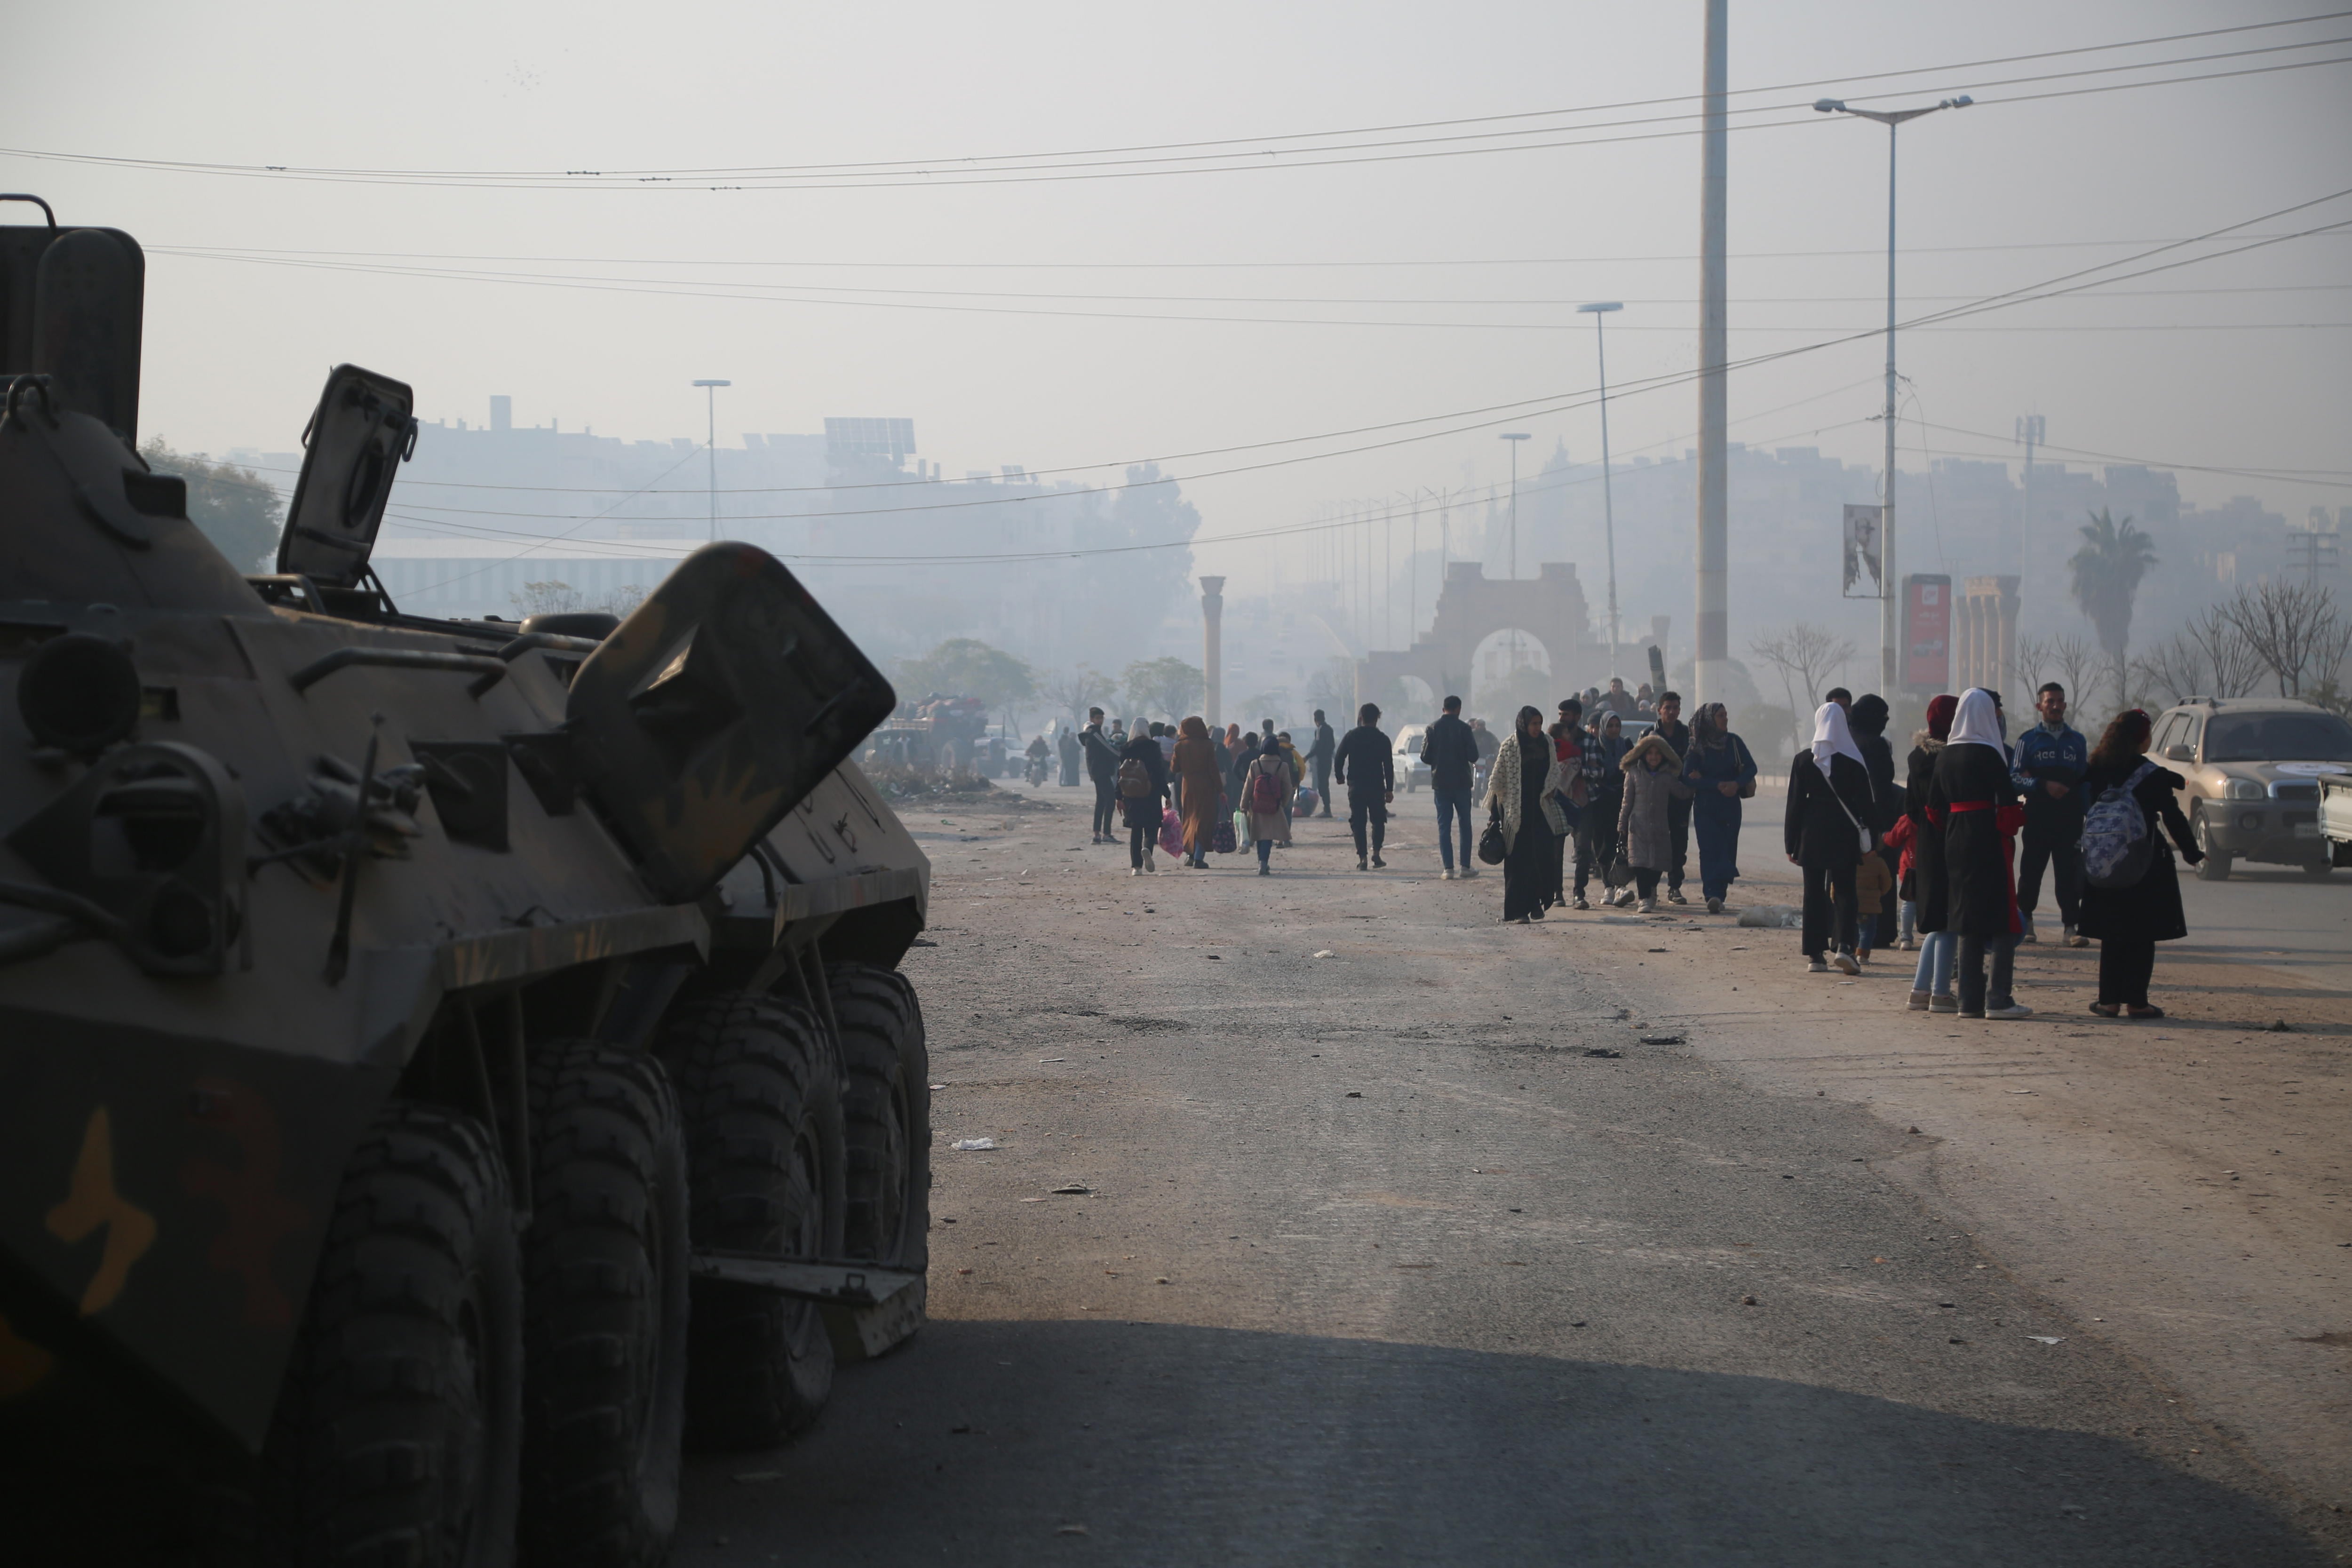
(359, 434)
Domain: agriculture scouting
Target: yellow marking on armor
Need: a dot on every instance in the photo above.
(23, 1363)
(91, 1200)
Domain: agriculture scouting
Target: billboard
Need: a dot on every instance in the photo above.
(1928, 632)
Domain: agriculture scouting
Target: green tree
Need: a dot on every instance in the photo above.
(1168, 687)
(2107, 573)
(236, 508)
(966, 667)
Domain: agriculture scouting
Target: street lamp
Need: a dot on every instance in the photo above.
(1889, 591)
(710, 395)
(1597, 310)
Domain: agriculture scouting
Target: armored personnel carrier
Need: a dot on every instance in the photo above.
(445, 1067)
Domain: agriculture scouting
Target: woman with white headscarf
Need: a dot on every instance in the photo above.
(1827, 830)
(1973, 800)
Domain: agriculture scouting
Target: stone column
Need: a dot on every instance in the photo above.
(2006, 647)
(1212, 652)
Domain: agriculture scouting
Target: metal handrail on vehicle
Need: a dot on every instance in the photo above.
(490, 670)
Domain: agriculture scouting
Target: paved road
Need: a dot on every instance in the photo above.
(2277, 915)
(1380, 1265)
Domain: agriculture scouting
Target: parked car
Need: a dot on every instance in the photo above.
(1411, 773)
(2254, 767)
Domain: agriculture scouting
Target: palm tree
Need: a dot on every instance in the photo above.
(2106, 574)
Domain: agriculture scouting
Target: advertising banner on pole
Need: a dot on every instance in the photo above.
(1928, 632)
(1862, 536)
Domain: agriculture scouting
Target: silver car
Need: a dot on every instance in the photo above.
(2252, 767)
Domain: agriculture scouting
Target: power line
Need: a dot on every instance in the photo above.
(1252, 147)
(1265, 158)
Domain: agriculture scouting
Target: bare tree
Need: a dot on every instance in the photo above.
(563, 598)
(2076, 660)
(2231, 665)
(1077, 690)
(2032, 658)
(2293, 629)
(1804, 655)
(2177, 667)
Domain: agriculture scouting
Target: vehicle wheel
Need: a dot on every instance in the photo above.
(2215, 868)
(886, 1105)
(604, 1309)
(2318, 867)
(398, 1431)
(764, 1169)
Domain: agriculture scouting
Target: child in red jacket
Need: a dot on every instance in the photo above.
(1900, 838)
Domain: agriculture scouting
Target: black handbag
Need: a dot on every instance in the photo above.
(1491, 848)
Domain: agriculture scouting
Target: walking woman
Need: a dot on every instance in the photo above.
(1596, 827)
(1265, 797)
(1201, 793)
(1646, 822)
(2129, 922)
(1972, 797)
(1142, 787)
(1568, 746)
(1931, 986)
(1519, 796)
(1826, 833)
(1721, 774)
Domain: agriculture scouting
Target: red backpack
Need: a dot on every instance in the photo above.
(1265, 792)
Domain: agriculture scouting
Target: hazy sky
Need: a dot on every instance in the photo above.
(1479, 260)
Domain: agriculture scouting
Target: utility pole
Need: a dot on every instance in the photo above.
(1890, 596)
(710, 398)
(1599, 311)
(1713, 628)
(2028, 432)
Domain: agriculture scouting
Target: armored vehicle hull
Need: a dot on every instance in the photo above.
(445, 1067)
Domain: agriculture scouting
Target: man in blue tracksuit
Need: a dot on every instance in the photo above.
(2048, 764)
(1451, 749)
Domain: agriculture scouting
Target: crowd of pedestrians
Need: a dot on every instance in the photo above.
(1949, 860)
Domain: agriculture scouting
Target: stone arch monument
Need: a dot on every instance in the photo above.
(1472, 607)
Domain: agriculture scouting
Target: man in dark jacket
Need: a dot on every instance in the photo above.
(1452, 753)
(2048, 764)
(1318, 757)
(1675, 733)
(1102, 769)
(1366, 763)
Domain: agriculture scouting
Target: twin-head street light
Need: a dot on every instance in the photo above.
(1889, 590)
(1597, 311)
(710, 395)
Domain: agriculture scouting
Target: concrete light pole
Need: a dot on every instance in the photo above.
(1890, 591)
(2030, 429)
(1599, 311)
(710, 395)
(1713, 653)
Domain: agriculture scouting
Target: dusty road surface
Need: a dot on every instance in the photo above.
(1408, 1238)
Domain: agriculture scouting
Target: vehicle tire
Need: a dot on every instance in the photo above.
(398, 1432)
(764, 1169)
(605, 1309)
(2215, 867)
(2318, 867)
(886, 1107)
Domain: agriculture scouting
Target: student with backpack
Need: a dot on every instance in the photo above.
(2131, 897)
(1267, 791)
(1142, 787)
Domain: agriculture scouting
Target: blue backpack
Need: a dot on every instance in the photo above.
(2117, 846)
